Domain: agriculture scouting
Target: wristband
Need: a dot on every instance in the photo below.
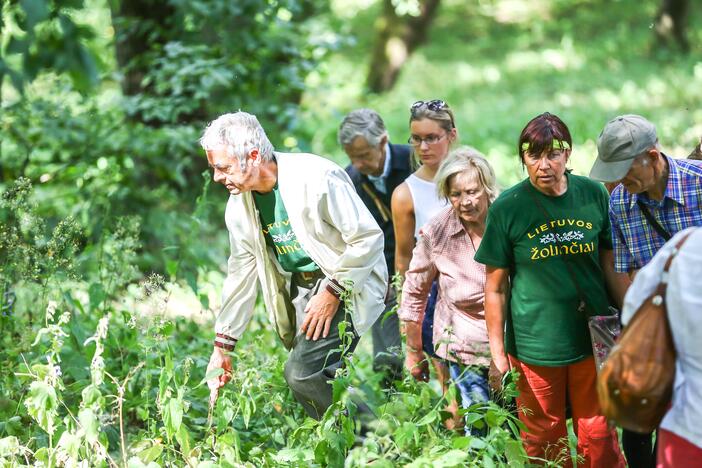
(334, 288)
(225, 342)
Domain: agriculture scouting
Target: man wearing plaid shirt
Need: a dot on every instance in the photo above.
(657, 197)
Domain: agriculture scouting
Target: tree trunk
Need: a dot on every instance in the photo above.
(670, 23)
(397, 37)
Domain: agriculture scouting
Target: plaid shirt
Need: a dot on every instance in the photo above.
(635, 240)
(444, 252)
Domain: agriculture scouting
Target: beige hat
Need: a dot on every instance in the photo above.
(622, 139)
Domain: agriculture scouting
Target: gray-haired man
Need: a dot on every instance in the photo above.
(377, 168)
(657, 197)
(298, 232)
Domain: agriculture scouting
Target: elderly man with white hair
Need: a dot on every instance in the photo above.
(298, 232)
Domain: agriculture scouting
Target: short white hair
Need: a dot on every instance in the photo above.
(237, 133)
(466, 159)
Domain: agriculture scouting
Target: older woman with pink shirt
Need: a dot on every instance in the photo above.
(444, 253)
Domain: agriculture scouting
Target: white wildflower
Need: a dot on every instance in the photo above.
(51, 310)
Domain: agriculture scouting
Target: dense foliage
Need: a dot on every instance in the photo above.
(105, 216)
(105, 382)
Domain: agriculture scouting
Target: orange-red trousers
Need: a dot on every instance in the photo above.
(542, 409)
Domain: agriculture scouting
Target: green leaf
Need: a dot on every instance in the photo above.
(17, 46)
(211, 374)
(166, 376)
(452, 458)
(35, 11)
(92, 396)
(183, 438)
(460, 443)
(135, 462)
(9, 447)
(224, 411)
(428, 418)
(172, 268)
(172, 415)
(70, 443)
(514, 451)
(97, 295)
(488, 462)
(89, 423)
(477, 444)
(191, 279)
(204, 301)
(152, 453)
(42, 404)
(404, 435)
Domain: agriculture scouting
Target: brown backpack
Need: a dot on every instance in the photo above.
(635, 384)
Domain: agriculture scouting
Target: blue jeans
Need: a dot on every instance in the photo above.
(428, 322)
(472, 385)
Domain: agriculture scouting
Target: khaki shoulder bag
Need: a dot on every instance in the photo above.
(635, 384)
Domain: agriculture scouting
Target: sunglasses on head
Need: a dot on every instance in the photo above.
(433, 105)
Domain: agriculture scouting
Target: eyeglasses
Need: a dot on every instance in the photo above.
(433, 105)
(414, 140)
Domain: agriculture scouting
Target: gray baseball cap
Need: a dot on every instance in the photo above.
(621, 140)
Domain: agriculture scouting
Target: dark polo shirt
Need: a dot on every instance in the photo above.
(378, 203)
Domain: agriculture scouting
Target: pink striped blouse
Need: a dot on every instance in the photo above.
(445, 252)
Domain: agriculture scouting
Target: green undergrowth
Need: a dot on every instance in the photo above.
(95, 373)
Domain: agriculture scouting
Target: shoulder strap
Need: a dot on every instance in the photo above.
(663, 284)
(652, 220)
(382, 208)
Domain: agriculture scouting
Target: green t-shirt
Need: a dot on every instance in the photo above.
(544, 326)
(279, 235)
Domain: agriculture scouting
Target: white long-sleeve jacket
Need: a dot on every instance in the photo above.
(332, 225)
(684, 307)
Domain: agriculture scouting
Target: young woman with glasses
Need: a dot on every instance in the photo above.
(414, 203)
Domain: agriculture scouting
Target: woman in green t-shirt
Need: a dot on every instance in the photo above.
(547, 250)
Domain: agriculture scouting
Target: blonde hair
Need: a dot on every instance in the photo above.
(466, 159)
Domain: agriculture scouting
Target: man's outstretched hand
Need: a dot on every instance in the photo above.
(319, 314)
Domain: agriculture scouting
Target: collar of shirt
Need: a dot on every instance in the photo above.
(454, 225)
(673, 189)
(379, 181)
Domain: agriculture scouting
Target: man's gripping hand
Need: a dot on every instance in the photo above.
(319, 314)
(220, 359)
